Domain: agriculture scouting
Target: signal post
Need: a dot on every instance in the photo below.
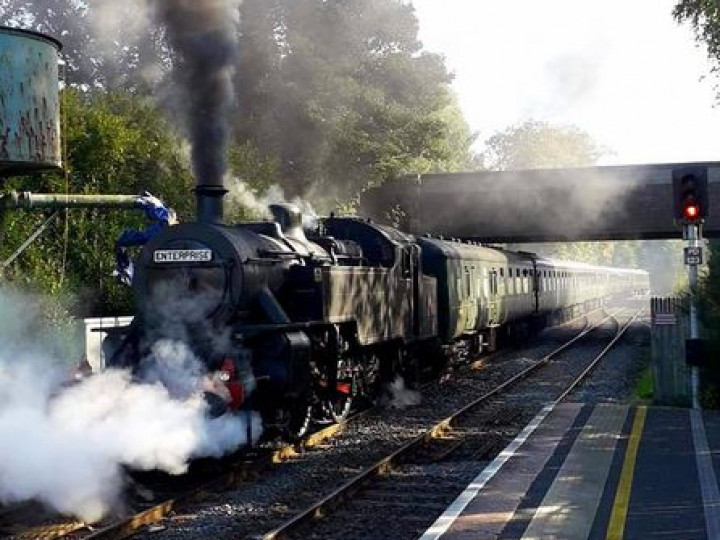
(690, 204)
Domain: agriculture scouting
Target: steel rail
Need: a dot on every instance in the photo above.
(128, 526)
(347, 490)
(580, 378)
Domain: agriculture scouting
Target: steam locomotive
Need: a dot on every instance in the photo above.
(299, 324)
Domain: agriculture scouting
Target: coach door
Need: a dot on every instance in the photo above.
(473, 298)
(494, 302)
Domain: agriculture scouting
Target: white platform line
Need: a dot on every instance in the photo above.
(442, 524)
(706, 472)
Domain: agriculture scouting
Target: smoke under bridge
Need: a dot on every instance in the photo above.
(543, 205)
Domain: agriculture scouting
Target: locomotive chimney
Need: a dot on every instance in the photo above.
(290, 219)
(209, 195)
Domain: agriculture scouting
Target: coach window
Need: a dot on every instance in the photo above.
(486, 283)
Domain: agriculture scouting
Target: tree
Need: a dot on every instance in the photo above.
(704, 17)
(105, 43)
(341, 95)
(117, 143)
(336, 95)
(535, 144)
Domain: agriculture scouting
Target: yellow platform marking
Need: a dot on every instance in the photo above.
(616, 527)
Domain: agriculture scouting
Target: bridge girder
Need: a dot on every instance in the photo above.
(543, 205)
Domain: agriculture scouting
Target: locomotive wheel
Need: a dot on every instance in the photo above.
(298, 419)
(336, 403)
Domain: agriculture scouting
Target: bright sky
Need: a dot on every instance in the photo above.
(622, 70)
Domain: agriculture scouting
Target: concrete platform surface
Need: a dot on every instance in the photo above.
(603, 472)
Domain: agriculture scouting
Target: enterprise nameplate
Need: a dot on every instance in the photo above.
(182, 255)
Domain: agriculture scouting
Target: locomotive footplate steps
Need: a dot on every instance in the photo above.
(603, 472)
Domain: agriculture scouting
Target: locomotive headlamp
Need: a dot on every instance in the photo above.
(223, 376)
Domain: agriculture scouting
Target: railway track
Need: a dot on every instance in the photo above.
(252, 467)
(29, 521)
(397, 485)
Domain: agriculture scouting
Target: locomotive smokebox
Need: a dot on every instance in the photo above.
(29, 103)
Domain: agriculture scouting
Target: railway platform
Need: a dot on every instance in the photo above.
(602, 472)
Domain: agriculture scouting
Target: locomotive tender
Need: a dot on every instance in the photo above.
(311, 323)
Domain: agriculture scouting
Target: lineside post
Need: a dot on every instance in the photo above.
(693, 258)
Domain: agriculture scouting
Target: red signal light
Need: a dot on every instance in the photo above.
(691, 211)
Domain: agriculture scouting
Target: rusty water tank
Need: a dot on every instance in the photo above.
(29, 103)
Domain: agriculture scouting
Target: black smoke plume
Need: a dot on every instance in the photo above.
(203, 34)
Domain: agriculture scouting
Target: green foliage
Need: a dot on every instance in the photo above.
(536, 145)
(704, 17)
(102, 44)
(709, 299)
(644, 388)
(117, 143)
(332, 95)
(341, 96)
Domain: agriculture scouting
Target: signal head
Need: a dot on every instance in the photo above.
(690, 194)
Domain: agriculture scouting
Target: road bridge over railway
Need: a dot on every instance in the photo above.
(591, 203)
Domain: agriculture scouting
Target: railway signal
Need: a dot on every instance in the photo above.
(690, 206)
(690, 194)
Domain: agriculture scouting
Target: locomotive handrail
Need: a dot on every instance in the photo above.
(256, 329)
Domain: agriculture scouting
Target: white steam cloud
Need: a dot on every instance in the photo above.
(65, 443)
(240, 194)
(401, 396)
